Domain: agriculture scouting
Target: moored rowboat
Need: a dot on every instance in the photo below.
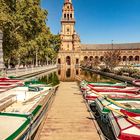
(24, 109)
(84, 84)
(122, 127)
(103, 105)
(135, 90)
(136, 82)
(103, 84)
(90, 96)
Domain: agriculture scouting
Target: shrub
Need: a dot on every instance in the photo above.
(105, 70)
(129, 70)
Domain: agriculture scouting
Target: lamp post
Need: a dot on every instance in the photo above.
(1, 51)
(36, 55)
(112, 44)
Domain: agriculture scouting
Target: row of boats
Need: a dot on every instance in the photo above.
(117, 105)
(22, 107)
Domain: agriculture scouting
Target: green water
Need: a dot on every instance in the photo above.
(68, 75)
(93, 77)
(50, 79)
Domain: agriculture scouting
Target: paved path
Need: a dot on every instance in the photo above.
(68, 118)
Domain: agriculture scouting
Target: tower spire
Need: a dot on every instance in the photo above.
(68, 1)
(69, 38)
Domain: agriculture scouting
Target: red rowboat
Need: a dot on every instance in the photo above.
(124, 128)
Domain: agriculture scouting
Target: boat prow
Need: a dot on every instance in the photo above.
(136, 82)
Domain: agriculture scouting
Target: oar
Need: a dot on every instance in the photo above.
(119, 104)
(128, 117)
(112, 109)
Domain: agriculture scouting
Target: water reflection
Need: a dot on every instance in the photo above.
(71, 74)
(68, 74)
(51, 78)
(93, 77)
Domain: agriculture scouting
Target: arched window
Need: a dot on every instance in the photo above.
(77, 61)
(85, 58)
(96, 57)
(130, 58)
(137, 58)
(101, 58)
(64, 15)
(59, 72)
(59, 61)
(68, 29)
(119, 58)
(91, 58)
(124, 58)
(77, 72)
(68, 60)
(70, 15)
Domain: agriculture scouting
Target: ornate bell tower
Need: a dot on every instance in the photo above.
(68, 34)
(70, 41)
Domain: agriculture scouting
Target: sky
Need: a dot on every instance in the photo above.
(99, 21)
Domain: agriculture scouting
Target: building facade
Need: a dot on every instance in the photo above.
(72, 52)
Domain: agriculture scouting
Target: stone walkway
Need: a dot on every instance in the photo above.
(68, 118)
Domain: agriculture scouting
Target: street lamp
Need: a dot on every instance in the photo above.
(2, 66)
(112, 44)
(36, 55)
(1, 54)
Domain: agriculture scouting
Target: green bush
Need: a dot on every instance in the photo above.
(136, 75)
(105, 69)
(129, 70)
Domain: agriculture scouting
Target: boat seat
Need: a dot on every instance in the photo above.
(135, 105)
(7, 101)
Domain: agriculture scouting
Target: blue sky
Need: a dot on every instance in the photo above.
(99, 21)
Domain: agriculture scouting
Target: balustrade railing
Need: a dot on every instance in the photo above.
(25, 70)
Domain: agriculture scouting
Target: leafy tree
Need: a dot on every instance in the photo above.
(27, 40)
(95, 63)
(111, 59)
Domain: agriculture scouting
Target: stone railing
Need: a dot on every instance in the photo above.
(24, 71)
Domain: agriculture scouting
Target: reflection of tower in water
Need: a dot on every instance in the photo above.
(68, 74)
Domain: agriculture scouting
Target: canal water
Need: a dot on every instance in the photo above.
(70, 75)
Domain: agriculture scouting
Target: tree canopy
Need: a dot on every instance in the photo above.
(26, 37)
(112, 59)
